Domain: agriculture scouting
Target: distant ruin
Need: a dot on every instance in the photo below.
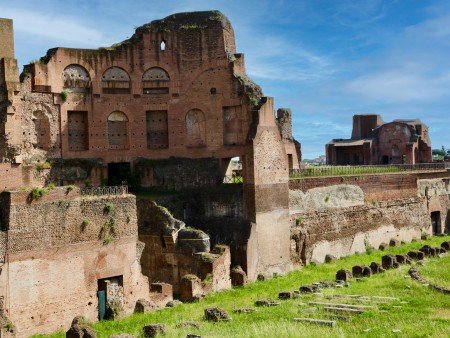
(376, 142)
(162, 115)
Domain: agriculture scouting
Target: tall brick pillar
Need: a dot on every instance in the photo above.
(9, 87)
(266, 196)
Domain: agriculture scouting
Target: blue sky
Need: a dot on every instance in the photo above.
(327, 60)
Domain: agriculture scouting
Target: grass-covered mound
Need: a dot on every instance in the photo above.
(418, 312)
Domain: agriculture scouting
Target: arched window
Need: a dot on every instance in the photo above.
(118, 130)
(232, 126)
(116, 81)
(155, 81)
(195, 128)
(42, 135)
(76, 79)
(395, 151)
(163, 45)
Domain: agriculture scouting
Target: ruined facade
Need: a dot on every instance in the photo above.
(168, 108)
(376, 142)
(175, 89)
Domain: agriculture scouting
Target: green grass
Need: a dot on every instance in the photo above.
(343, 170)
(421, 312)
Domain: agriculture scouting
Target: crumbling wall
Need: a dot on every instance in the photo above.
(173, 250)
(344, 231)
(59, 246)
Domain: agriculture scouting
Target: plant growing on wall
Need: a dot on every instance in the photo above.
(108, 231)
(108, 208)
(64, 95)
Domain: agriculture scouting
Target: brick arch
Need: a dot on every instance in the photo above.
(76, 78)
(155, 80)
(118, 130)
(116, 80)
(195, 128)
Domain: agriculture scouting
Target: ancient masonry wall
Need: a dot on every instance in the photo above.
(57, 249)
(341, 219)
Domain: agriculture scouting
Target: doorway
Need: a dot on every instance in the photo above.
(119, 173)
(110, 296)
(436, 222)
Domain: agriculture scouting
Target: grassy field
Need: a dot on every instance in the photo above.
(419, 312)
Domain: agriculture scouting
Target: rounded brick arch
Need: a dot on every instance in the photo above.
(195, 128)
(76, 78)
(116, 80)
(156, 74)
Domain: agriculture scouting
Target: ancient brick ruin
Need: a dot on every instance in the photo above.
(163, 113)
(376, 142)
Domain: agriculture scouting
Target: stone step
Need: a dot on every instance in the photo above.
(316, 321)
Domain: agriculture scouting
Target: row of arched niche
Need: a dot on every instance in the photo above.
(115, 79)
(119, 129)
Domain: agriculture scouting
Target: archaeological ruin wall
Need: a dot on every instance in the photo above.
(343, 215)
(60, 249)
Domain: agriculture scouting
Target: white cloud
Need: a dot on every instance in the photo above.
(54, 27)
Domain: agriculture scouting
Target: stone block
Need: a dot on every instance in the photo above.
(80, 329)
(375, 267)
(383, 246)
(402, 259)
(144, 306)
(162, 288)
(367, 271)
(394, 242)
(357, 271)
(153, 330)
(285, 295)
(330, 258)
(343, 275)
(215, 314)
(190, 288)
(238, 276)
(388, 262)
(446, 245)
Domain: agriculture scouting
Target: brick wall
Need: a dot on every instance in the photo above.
(380, 187)
(54, 260)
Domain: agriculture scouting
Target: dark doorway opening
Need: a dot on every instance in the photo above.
(436, 222)
(385, 159)
(109, 294)
(119, 173)
(290, 162)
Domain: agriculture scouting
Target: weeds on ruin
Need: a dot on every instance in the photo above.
(37, 193)
(108, 208)
(70, 188)
(369, 248)
(64, 95)
(108, 231)
(327, 198)
(43, 165)
(84, 224)
(298, 221)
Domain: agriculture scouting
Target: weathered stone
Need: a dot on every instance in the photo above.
(153, 330)
(80, 329)
(388, 261)
(426, 249)
(144, 306)
(446, 245)
(383, 246)
(285, 295)
(329, 258)
(394, 242)
(357, 271)
(309, 288)
(402, 259)
(266, 302)
(343, 275)
(244, 310)
(193, 336)
(174, 303)
(215, 314)
(238, 276)
(375, 267)
(190, 324)
(367, 271)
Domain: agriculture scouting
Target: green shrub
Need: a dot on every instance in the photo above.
(38, 193)
(108, 208)
(298, 221)
(43, 165)
(64, 95)
(327, 198)
(85, 223)
(70, 188)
